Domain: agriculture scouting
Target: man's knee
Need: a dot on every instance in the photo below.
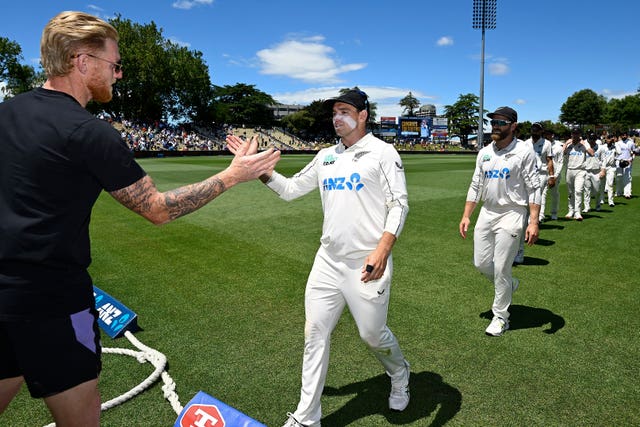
(78, 406)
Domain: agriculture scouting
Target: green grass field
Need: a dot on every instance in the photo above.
(220, 293)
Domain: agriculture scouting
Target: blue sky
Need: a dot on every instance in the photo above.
(540, 53)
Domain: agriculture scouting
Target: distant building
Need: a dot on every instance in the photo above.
(283, 110)
(427, 110)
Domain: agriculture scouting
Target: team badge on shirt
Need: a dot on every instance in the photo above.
(486, 158)
(329, 160)
(359, 154)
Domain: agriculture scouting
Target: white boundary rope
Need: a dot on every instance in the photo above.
(158, 360)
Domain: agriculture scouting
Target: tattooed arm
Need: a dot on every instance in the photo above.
(144, 198)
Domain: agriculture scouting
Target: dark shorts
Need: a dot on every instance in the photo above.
(54, 354)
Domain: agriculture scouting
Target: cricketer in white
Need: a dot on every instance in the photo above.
(364, 199)
(506, 179)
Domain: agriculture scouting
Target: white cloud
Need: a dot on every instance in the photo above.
(520, 101)
(99, 12)
(307, 59)
(445, 41)
(498, 68)
(180, 43)
(617, 94)
(189, 4)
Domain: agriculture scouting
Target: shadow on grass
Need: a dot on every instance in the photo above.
(527, 260)
(545, 242)
(592, 215)
(430, 397)
(524, 317)
(548, 226)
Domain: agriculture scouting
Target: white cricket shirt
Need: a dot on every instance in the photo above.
(543, 149)
(363, 192)
(505, 178)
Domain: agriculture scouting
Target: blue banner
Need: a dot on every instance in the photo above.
(113, 316)
(206, 411)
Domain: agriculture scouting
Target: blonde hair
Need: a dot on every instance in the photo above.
(68, 32)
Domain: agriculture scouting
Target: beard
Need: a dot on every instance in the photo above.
(100, 91)
(499, 135)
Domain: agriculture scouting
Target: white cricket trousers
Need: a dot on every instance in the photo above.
(332, 283)
(496, 238)
(591, 187)
(623, 181)
(544, 187)
(606, 185)
(575, 187)
(555, 196)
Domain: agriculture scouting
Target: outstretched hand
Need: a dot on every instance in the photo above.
(247, 163)
(241, 147)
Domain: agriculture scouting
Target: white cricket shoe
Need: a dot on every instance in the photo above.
(497, 326)
(578, 217)
(569, 215)
(399, 396)
(292, 422)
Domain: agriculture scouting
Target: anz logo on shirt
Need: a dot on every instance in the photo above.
(342, 183)
(503, 173)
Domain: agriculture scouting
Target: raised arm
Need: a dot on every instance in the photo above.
(159, 208)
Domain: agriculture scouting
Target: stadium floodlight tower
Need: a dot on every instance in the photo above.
(484, 17)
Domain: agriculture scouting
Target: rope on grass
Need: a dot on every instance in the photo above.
(158, 360)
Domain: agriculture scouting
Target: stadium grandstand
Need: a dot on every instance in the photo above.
(162, 137)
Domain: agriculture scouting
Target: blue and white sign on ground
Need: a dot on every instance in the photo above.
(113, 316)
(206, 411)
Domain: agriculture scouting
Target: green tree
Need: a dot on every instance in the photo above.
(242, 104)
(192, 92)
(622, 114)
(584, 107)
(410, 105)
(161, 80)
(463, 117)
(298, 123)
(17, 77)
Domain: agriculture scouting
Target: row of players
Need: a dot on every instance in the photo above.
(593, 167)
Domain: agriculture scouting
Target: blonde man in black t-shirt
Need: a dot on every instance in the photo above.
(55, 159)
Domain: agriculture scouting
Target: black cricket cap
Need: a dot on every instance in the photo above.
(507, 112)
(357, 98)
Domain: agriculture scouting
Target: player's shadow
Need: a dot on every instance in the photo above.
(591, 215)
(528, 260)
(548, 226)
(545, 242)
(524, 317)
(430, 397)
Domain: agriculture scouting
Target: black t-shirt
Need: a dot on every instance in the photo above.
(55, 159)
